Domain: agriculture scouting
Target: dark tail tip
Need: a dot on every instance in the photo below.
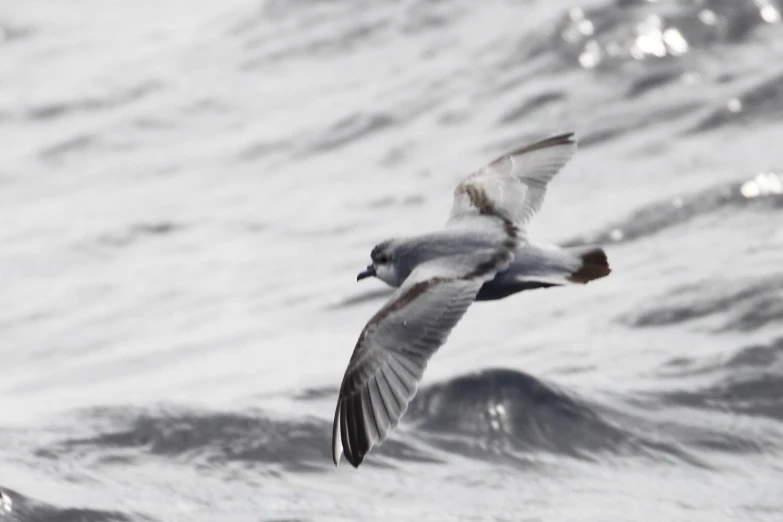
(594, 266)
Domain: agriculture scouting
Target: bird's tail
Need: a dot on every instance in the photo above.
(558, 265)
(594, 264)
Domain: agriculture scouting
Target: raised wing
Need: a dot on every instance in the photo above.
(393, 349)
(513, 186)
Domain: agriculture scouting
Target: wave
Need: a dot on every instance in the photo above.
(22, 507)
(633, 30)
(473, 415)
(747, 383)
(179, 434)
(763, 190)
(498, 415)
(749, 305)
(508, 410)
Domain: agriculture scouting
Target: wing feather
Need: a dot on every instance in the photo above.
(513, 186)
(396, 344)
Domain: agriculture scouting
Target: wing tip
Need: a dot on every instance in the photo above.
(567, 138)
(557, 140)
(337, 446)
(354, 458)
(355, 462)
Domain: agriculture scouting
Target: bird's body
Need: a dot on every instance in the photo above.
(481, 254)
(413, 251)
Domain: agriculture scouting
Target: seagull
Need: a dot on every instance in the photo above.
(482, 254)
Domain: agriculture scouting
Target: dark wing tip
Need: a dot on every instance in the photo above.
(357, 430)
(559, 139)
(349, 431)
(356, 460)
(568, 138)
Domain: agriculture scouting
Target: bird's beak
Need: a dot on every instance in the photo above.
(367, 272)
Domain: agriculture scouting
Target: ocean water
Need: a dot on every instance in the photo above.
(188, 189)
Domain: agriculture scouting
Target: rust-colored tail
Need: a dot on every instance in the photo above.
(594, 266)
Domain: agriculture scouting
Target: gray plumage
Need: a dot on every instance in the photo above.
(481, 254)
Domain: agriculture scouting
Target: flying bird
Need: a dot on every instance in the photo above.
(481, 254)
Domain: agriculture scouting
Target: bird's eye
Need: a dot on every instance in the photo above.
(383, 258)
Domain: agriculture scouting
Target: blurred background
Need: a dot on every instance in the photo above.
(188, 189)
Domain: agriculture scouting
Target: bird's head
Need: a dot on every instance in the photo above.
(384, 257)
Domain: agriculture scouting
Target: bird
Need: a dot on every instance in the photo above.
(481, 254)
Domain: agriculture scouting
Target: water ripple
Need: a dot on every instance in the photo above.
(764, 189)
(751, 305)
(24, 508)
(636, 30)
